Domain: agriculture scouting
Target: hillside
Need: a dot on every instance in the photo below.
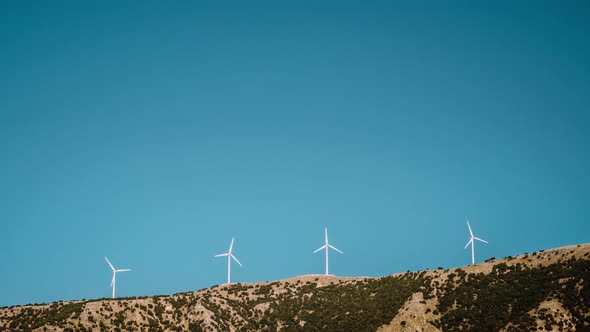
(546, 291)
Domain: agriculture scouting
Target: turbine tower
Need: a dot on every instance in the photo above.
(229, 257)
(472, 237)
(114, 281)
(327, 246)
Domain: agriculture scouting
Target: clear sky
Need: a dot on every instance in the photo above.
(153, 132)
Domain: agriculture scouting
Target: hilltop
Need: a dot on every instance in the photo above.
(547, 290)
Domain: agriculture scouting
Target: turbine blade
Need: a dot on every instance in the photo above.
(320, 248)
(113, 280)
(111, 265)
(478, 239)
(235, 259)
(326, 233)
(221, 255)
(123, 270)
(331, 246)
(469, 226)
(468, 243)
(231, 244)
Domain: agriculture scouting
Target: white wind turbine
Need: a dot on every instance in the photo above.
(229, 257)
(327, 246)
(114, 281)
(472, 237)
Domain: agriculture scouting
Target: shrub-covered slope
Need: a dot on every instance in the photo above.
(543, 291)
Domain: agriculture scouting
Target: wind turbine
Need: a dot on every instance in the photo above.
(472, 243)
(114, 281)
(327, 246)
(229, 257)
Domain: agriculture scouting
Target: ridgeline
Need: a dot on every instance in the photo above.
(546, 290)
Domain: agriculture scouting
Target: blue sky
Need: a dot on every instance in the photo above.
(152, 133)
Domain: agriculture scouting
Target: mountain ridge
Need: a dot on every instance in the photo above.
(546, 290)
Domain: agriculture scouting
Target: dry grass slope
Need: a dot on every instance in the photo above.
(545, 291)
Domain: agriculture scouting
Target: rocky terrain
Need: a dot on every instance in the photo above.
(543, 291)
